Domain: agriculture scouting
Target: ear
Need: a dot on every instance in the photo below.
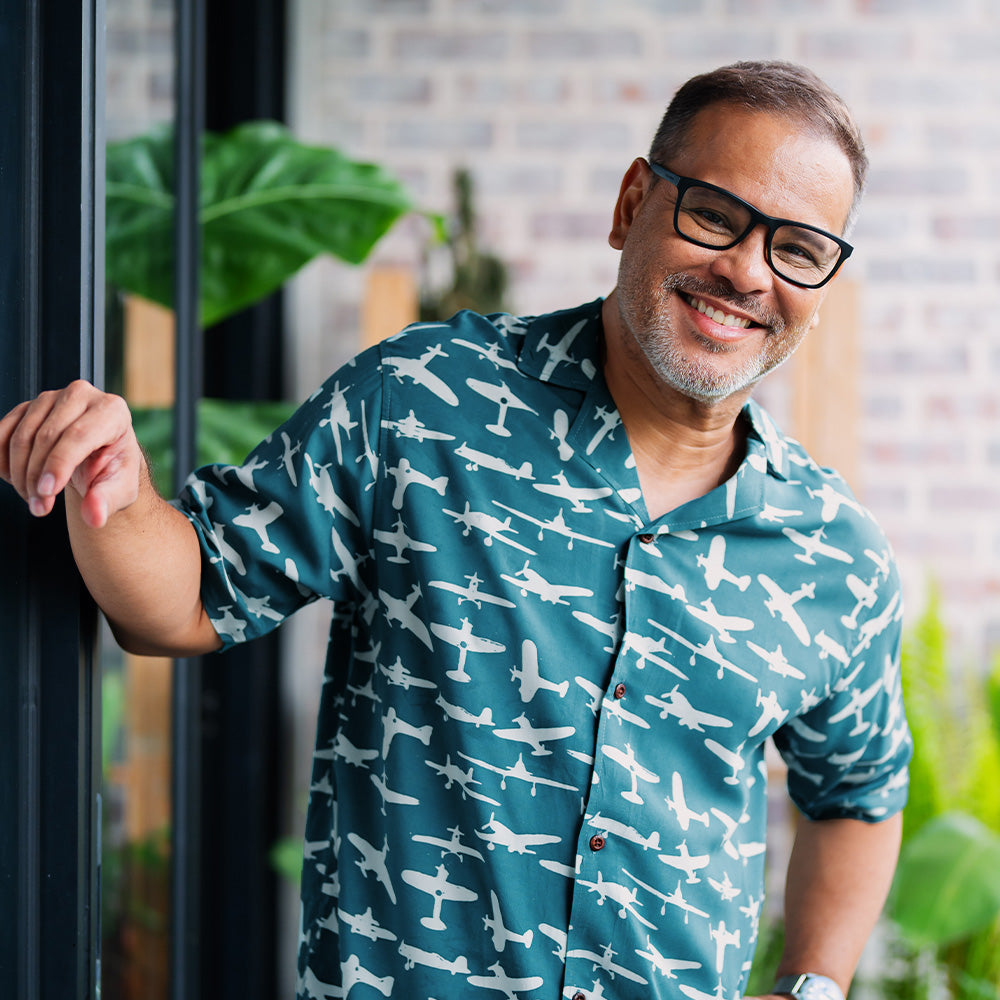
(633, 190)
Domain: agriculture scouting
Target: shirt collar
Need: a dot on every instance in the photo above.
(565, 347)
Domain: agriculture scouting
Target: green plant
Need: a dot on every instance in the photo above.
(946, 895)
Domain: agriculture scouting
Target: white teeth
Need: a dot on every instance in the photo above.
(725, 319)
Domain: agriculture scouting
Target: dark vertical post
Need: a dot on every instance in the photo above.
(186, 783)
(51, 329)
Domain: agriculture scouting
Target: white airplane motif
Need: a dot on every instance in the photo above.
(505, 400)
(244, 473)
(723, 624)
(675, 898)
(559, 352)
(416, 369)
(611, 629)
(557, 525)
(400, 609)
(516, 843)
(226, 551)
(776, 515)
(368, 453)
(491, 354)
(812, 545)
(604, 961)
(414, 956)
(366, 925)
(453, 774)
(686, 861)
(466, 642)
(876, 626)
(534, 737)
(326, 496)
(453, 846)
(399, 676)
(695, 994)
(530, 677)
(559, 432)
(411, 427)
(777, 661)
(518, 771)
(673, 703)
(666, 967)
(859, 700)
(635, 769)
(229, 624)
(865, 594)
(574, 495)
(491, 527)
(510, 986)
(339, 419)
(472, 593)
(259, 607)
(833, 500)
(783, 604)
(616, 710)
(475, 459)
(287, 456)
(500, 933)
(528, 581)
(680, 808)
(620, 829)
(708, 650)
(401, 541)
(558, 936)
(771, 711)
(349, 560)
(440, 888)
(460, 714)
(637, 578)
(619, 894)
(734, 758)
(828, 646)
(257, 519)
(373, 860)
(714, 566)
(647, 648)
(391, 797)
(393, 726)
(596, 693)
(406, 475)
(882, 560)
(723, 939)
(345, 750)
(610, 420)
(725, 888)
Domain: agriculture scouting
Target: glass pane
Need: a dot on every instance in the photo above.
(136, 691)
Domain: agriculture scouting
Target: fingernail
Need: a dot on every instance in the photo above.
(47, 485)
(37, 507)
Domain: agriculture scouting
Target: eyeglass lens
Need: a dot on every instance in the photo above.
(711, 218)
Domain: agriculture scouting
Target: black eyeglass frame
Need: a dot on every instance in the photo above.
(757, 217)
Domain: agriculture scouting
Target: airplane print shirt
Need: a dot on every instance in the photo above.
(539, 767)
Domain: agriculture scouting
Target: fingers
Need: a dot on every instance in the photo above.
(78, 435)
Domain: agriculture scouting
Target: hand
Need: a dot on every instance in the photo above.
(79, 437)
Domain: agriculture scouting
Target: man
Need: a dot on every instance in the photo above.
(579, 578)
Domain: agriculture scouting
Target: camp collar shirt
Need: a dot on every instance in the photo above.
(539, 767)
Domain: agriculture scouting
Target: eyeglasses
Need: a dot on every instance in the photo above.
(712, 217)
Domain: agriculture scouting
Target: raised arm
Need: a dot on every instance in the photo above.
(138, 556)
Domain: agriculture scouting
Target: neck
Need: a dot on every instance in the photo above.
(683, 448)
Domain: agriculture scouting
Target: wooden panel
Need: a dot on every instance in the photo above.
(149, 353)
(391, 302)
(825, 373)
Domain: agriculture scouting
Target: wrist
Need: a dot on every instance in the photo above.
(808, 986)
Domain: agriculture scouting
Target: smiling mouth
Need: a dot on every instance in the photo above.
(717, 315)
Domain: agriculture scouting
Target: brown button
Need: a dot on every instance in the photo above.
(646, 539)
(597, 843)
(579, 996)
(619, 691)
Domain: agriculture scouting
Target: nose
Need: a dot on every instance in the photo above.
(745, 265)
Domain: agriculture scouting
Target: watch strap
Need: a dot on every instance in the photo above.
(805, 985)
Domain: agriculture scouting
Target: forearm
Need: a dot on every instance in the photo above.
(839, 875)
(143, 568)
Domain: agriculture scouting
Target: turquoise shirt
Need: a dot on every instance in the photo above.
(539, 766)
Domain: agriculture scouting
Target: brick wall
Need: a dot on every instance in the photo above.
(547, 101)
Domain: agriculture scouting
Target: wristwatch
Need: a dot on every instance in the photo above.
(807, 986)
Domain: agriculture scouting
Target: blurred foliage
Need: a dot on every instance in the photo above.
(268, 206)
(478, 280)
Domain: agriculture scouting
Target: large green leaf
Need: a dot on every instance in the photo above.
(269, 205)
(947, 882)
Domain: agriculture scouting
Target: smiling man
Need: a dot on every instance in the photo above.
(579, 579)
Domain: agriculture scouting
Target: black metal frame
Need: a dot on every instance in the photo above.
(51, 331)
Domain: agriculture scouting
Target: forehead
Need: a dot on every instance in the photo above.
(775, 162)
